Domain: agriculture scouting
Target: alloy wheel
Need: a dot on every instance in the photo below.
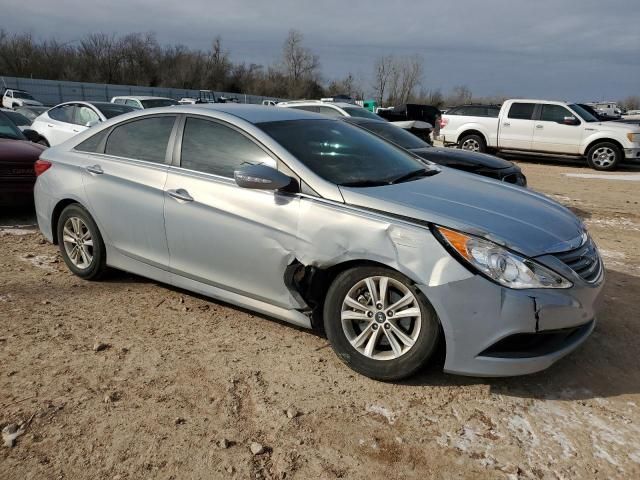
(78, 243)
(381, 318)
(470, 144)
(603, 157)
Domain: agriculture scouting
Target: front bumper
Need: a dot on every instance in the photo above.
(632, 153)
(492, 331)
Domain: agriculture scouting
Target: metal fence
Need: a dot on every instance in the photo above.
(52, 92)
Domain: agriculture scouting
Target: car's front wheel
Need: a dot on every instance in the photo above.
(379, 323)
(80, 243)
(604, 156)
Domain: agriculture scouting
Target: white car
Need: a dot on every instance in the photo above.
(13, 98)
(330, 109)
(141, 102)
(68, 119)
(544, 128)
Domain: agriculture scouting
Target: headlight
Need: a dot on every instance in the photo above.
(500, 265)
(633, 137)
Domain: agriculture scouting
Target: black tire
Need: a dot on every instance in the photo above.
(43, 141)
(476, 140)
(604, 156)
(97, 266)
(386, 370)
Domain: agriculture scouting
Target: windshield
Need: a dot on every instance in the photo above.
(585, 115)
(361, 113)
(31, 112)
(8, 129)
(25, 95)
(158, 102)
(18, 118)
(341, 153)
(395, 134)
(110, 110)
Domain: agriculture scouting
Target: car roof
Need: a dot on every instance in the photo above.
(305, 103)
(249, 112)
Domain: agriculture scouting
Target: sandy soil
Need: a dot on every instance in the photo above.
(184, 385)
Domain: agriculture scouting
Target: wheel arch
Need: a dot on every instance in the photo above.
(602, 140)
(473, 131)
(55, 215)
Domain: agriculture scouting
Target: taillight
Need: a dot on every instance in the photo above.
(41, 166)
(443, 122)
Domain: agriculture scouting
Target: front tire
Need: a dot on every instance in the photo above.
(80, 243)
(379, 323)
(472, 143)
(604, 156)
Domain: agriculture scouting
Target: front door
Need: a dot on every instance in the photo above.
(516, 128)
(222, 235)
(559, 131)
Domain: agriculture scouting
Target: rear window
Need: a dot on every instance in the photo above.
(522, 111)
(145, 139)
(158, 102)
(110, 110)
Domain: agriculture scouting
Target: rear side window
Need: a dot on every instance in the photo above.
(210, 147)
(145, 139)
(63, 113)
(522, 111)
(92, 144)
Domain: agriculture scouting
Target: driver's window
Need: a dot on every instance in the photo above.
(211, 147)
(554, 113)
(10, 94)
(85, 115)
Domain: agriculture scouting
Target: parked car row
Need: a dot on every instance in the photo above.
(319, 221)
(541, 127)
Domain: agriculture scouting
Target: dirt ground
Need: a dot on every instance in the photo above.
(185, 384)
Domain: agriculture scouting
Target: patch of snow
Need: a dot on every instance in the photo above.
(615, 222)
(631, 177)
(40, 261)
(383, 411)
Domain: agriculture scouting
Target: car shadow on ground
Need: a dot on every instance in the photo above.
(566, 162)
(14, 216)
(606, 365)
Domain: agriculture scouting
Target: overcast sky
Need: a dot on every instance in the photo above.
(565, 49)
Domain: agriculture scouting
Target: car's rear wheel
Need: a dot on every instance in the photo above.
(379, 323)
(472, 143)
(604, 156)
(80, 243)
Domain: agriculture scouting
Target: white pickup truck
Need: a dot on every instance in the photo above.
(13, 98)
(541, 127)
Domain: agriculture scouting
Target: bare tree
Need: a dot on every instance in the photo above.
(632, 102)
(383, 69)
(460, 95)
(396, 78)
(300, 64)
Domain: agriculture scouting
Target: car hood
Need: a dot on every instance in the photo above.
(519, 219)
(19, 151)
(463, 159)
(613, 126)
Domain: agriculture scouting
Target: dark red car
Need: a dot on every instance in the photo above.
(17, 158)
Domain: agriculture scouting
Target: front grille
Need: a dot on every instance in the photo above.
(584, 260)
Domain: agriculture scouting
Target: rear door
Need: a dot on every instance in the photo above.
(222, 235)
(125, 186)
(516, 127)
(558, 130)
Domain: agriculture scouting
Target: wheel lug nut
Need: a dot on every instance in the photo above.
(390, 313)
(379, 306)
(387, 326)
(369, 314)
(374, 326)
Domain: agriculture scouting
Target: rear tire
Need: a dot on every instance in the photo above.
(472, 143)
(604, 156)
(376, 334)
(80, 243)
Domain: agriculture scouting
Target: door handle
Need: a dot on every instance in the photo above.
(506, 124)
(49, 125)
(180, 194)
(97, 169)
(540, 126)
(76, 131)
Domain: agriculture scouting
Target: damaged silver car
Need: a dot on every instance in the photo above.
(322, 224)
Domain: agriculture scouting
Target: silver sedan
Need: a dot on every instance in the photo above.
(322, 224)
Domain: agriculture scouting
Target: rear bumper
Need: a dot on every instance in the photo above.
(492, 331)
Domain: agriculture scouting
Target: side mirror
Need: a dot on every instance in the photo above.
(571, 121)
(31, 135)
(261, 177)
(92, 123)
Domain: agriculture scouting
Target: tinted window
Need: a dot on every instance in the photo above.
(18, 118)
(395, 134)
(63, 113)
(554, 113)
(341, 153)
(110, 110)
(307, 108)
(361, 112)
(158, 102)
(522, 111)
(145, 139)
(8, 128)
(586, 115)
(25, 95)
(330, 112)
(214, 148)
(85, 115)
(91, 144)
(119, 101)
(132, 103)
